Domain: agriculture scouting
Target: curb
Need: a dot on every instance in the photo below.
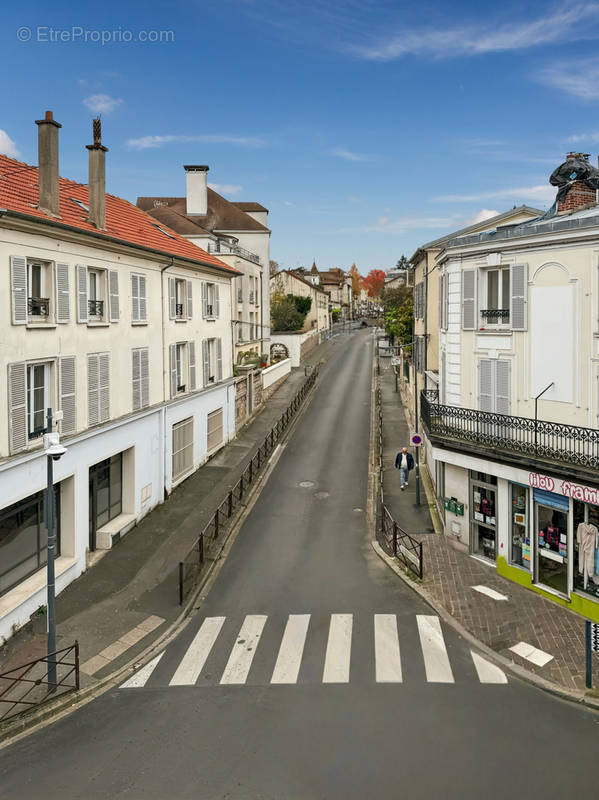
(65, 704)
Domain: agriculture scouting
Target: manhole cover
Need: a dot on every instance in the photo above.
(307, 484)
(321, 495)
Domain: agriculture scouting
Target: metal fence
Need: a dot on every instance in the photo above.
(192, 565)
(28, 685)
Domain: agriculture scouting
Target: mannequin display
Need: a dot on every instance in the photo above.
(587, 537)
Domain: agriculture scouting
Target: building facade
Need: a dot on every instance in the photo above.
(289, 282)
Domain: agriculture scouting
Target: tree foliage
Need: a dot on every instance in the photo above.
(399, 323)
(403, 263)
(374, 282)
(356, 280)
(273, 267)
(303, 304)
(284, 315)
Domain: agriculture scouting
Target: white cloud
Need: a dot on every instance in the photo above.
(400, 225)
(591, 138)
(225, 188)
(145, 142)
(288, 203)
(348, 155)
(567, 24)
(542, 193)
(579, 77)
(102, 103)
(7, 146)
(481, 216)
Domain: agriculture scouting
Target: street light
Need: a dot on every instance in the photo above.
(54, 450)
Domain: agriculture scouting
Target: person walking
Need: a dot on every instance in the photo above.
(404, 463)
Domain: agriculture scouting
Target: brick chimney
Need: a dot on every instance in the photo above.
(97, 178)
(196, 190)
(579, 194)
(47, 146)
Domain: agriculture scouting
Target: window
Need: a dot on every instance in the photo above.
(419, 300)
(32, 288)
(98, 388)
(38, 399)
(105, 494)
(182, 368)
(180, 299)
(214, 429)
(496, 297)
(182, 447)
(140, 378)
(519, 539)
(210, 300)
(138, 298)
(38, 300)
(97, 295)
(212, 361)
(24, 539)
(494, 391)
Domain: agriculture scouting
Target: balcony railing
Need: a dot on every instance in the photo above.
(517, 438)
(95, 308)
(178, 310)
(494, 315)
(38, 306)
(229, 247)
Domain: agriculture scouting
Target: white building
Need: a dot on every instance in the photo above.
(235, 231)
(121, 326)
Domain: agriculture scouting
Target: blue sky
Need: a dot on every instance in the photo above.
(366, 127)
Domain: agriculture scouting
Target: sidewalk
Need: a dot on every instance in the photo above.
(130, 596)
(450, 574)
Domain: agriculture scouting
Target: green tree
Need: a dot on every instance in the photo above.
(284, 315)
(399, 324)
(303, 304)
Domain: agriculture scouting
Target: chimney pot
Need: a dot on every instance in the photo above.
(196, 189)
(97, 177)
(47, 148)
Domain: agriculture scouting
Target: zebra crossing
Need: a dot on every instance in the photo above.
(336, 660)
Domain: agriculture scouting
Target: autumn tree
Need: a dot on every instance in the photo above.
(356, 280)
(374, 282)
(274, 267)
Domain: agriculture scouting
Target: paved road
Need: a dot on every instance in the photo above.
(311, 672)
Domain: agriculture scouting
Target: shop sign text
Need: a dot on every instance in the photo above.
(583, 493)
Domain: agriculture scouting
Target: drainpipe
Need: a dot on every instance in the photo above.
(165, 382)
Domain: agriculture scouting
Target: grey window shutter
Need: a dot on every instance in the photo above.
(485, 384)
(446, 302)
(104, 360)
(17, 406)
(189, 300)
(136, 378)
(219, 359)
(18, 285)
(172, 299)
(145, 376)
(191, 353)
(204, 299)
(216, 308)
(206, 360)
(519, 299)
(143, 301)
(134, 297)
(67, 385)
(469, 299)
(93, 394)
(82, 293)
(502, 386)
(440, 310)
(173, 368)
(113, 289)
(63, 299)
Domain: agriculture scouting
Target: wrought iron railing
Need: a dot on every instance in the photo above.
(229, 247)
(495, 315)
(95, 308)
(549, 441)
(38, 306)
(178, 310)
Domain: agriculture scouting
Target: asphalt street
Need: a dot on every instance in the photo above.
(311, 671)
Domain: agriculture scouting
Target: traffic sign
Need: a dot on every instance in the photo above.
(415, 440)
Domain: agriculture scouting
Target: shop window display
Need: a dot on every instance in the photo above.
(520, 538)
(586, 548)
(552, 548)
(483, 521)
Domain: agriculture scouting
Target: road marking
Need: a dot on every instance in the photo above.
(487, 672)
(533, 654)
(116, 649)
(490, 592)
(198, 651)
(140, 678)
(292, 649)
(337, 659)
(244, 649)
(436, 661)
(386, 649)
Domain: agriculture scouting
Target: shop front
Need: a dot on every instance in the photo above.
(551, 541)
(483, 520)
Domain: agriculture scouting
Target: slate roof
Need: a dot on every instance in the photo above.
(248, 206)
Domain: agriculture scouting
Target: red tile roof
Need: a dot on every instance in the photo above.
(19, 192)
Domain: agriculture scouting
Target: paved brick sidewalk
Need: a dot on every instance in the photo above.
(450, 574)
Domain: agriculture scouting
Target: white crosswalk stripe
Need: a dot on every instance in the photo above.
(244, 649)
(294, 643)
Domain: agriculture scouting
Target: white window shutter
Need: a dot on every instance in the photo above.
(82, 314)
(143, 301)
(67, 393)
(145, 376)
(134, 297)
(18, 286)
(485, 384)
(206, 360)
(93, 395)
(519, 298)
(204, 299)
(469, 299)
(63, 299)
(216, 308)
(104, 386)
(502, 386)
(189, 300)
(446, 302)
(136, 378)
(173, 368)
(440, 310)
(113, 289)
(172, 299)
(17, 406)
(219, 359)
(191, 353)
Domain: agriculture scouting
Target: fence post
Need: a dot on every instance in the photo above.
(251, 475)
(241, 487)
(394, 538)
(421, 565)
(259, 457)
(272, 438)
(202, 549)
(76, 665)
(230, 511)
(216, 515)
(181, 567)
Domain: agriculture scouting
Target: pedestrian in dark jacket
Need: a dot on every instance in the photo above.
(404, 463)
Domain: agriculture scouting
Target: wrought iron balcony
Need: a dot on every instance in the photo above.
(537, 444)
(179, 310)
(221, 246)
(95, 308)
(493, 315)
(38, 306)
